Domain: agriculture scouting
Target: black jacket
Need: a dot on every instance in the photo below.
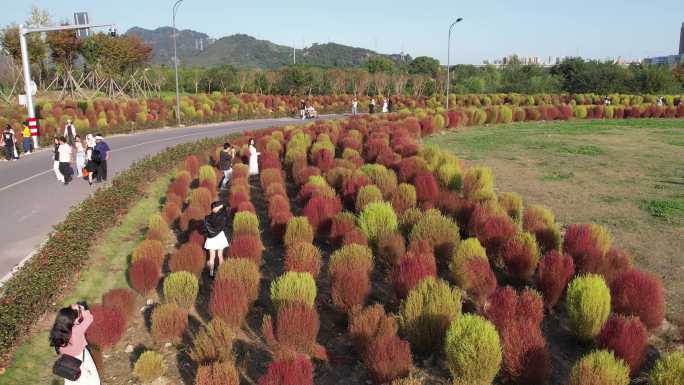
(214, 223)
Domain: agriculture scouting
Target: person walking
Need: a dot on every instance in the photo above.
(384, 105)
(253, 158)
(214, 228)
(55, 163)
(100, 157)
(26, 139)
(65, 151)
(371, 106)
(9, 138)
(355, 106)
(70, 132)
(302, 109)
(80, 156)
(389, 104)
(68, 338)
(226, 163)
(91, 166)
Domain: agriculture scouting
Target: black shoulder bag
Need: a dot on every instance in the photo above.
(67, 367)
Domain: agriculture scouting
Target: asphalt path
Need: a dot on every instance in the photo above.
(32, 201)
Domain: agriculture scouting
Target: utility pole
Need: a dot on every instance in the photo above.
(23, 31)
(175, 61)
(449, 59)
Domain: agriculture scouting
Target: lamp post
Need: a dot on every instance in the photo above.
(449, 59)
(175, 60)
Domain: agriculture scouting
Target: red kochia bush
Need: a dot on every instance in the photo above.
(247, 246)
(492, 230)
(171, 212)
(340, 226)
(408, 168)
(555, 271)
(121, 299)
(107, 328)
(237, 197)
(586, 249)
(192, 165)
(297, 326)
(189, 257)
(481, 279)
(412, 268)
(388, 357)
(320, 211)
(367, 324)
(229, 301)
(427, 188)
(196, 238)
(626, 337)
(355, 236)
(639, 294)
(144, 275)
(350, 287)
(290, 370)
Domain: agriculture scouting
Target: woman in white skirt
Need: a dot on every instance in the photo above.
(253, 158)
(214, 227)
(68, 338)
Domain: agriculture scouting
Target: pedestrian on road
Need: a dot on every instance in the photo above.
(55, 163)
(9, 139)
(65, 150)
(355, 106)
(70, 132)
(302, 109)
(371, 106)
(385, 108)
(214, 228)
(226, 163)
(26, 138)
(101, 156)
(91, 166)
(389, 104)
(68, 338)
(80, 156)
(253, 158)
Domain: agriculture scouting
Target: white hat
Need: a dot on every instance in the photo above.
(99, 138)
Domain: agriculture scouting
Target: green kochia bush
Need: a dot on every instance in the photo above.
(473, 350)
(599, 368)
(427, 311)
(669, 370)
(441, 231)
(293, 286)
(377, 219)
(588, 305)
(181, 288)
(149, 366)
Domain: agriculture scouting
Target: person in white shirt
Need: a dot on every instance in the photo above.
(384, 105)
(253, 158)
(65, 151)
(355, 106)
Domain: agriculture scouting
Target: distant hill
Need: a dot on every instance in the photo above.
(244, 51)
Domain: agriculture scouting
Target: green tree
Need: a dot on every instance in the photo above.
(379, 64)
(64, 47)
(424, 65)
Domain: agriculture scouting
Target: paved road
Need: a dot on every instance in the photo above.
(32, 201)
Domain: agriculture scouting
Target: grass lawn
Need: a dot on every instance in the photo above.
(627, 175)
(106, 270)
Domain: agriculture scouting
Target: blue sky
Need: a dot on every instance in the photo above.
(491, 29)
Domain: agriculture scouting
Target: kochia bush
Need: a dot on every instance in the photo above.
(588, 305)
(245, 223)
(377, 219)
(292, 287)
(639, 294)
(213, 343)
(144, 275)
(601, 368)
(367, 194)
(149, 366)
(388, 357)
(626, 338)
(427, 312)
(473, 350)
(243, 272)
(478, 184)
(229, 302)
(440, 231)
(303, 257)
(218, 373)
(369, 323)
(668, 370)
(107, 328)
(169, 321)
(520, 256)
(293, 370)
(555, 271)
(181, 288)
(189, 257)
(298, 230)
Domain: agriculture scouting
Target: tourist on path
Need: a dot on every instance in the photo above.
(26, 138)
(91, 166)
(302, 109)
(100, 157)
(253, 158)
(55, 163)
(65, 152)
(389, 104)
(226, 163)
(70, 132)
(371, 106)
(384, 105)
(68, 338)
(355, 106)
(9, 138)
(214, 228)
(80, 156)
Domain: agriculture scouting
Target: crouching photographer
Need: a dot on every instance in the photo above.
(74, 364)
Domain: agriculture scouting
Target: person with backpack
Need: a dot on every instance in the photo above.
(8, 137)
(64, 154)
(75, 363)
(70, 132)
(100, 157)
(214, 228)
(226, 163)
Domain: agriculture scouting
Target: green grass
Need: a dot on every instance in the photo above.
(669, 209)
(107, 270)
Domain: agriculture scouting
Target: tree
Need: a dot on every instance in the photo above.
(115, 56)
(424, 65)
(64, 47)
(379, 64)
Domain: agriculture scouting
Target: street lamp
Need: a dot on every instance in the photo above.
(175, 60)
(449, 59)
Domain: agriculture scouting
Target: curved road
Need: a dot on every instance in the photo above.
(32, 201)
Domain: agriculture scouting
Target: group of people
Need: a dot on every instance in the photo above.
(307, 111)
(91, 156)
(10, 143)
(386, 105)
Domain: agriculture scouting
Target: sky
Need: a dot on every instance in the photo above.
(599, 29)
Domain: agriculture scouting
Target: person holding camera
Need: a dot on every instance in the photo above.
(75, 364)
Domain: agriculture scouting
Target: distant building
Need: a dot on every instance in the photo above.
(669, 60)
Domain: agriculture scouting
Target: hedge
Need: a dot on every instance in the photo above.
(31, 292)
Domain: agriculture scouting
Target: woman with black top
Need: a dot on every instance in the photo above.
(55, 163)
(214, 227)
(226, 162)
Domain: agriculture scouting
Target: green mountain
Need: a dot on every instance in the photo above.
(244, 51)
